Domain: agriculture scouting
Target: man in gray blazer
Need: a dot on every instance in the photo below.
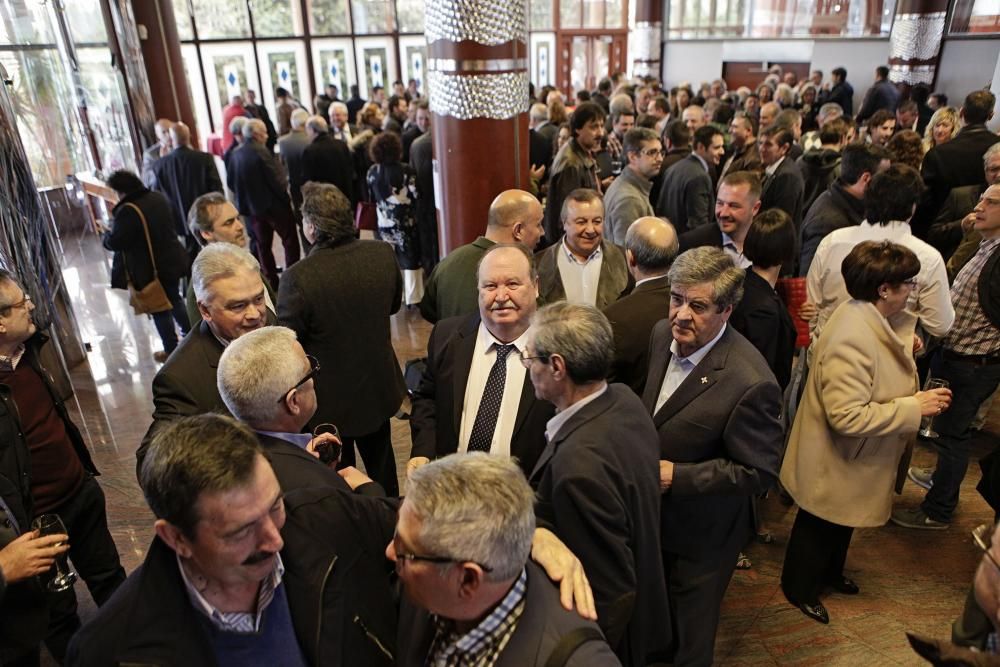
(474, 576)
(686, 196)
(583, 267)
(627, 199)
(716, 406)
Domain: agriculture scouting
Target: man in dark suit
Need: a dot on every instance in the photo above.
(499, 595)
(325, 159)
(881, 96)
(422, 161)
(540, 147)
(340, 127)
(600, 497)
(736, 205)
(461, 354)
(339, 300)
(157, 151)
(745, 155)
(716, 406)
(183, 176)
(262, 194)
(231, 298)
(291, 147)
(686, 195)
(957, 162)
(583, 267)
(841, 92)
(354, 104)
(650, 249)
(421, 123)
(784, 186)
(259, 111)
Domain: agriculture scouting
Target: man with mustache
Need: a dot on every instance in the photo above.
(475, 394)
(716, 407)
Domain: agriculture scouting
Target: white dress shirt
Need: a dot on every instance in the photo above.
(579, 279)
(482, 362)
(729, 247)
(930, 301)
(680, 367)
(553, 425)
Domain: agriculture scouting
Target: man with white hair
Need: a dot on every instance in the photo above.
(473, 594)
(326, 159)
(291, 146)
(278, 404)
(540, 146)
(157, 151)
(183, 176)
(232, 301)
(340, 126)
(261, 189)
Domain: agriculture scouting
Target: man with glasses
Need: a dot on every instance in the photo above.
(278, 404)
(597, 480)
(627, 199)
(232, 300)
(472, 594)
(45, 468)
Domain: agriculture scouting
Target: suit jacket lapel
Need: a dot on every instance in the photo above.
(587, 413)
(701, 378)
(523, 407)
(465, 348)
(658, 361)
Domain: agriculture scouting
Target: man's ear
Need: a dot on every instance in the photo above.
(174, 537)
(473, 578)
(205, 312)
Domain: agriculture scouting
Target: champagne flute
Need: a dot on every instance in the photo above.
(51, 524)
(329, 451)
(927, 426)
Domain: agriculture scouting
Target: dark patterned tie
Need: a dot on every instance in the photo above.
(489, 405)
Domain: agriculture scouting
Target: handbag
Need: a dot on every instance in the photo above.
(152, 298)
(366, 216)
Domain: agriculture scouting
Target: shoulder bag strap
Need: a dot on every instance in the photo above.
(149, 243)
(569, 643)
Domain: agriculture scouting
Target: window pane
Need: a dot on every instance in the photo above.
(593, 13)
(976, 16)
(183, 19)
(614, 14)
(231, 74)
(375, 61)
(86, 22)
(570, 13)
(729, 18)
(105, 95)
(221, 18)
(411, 15)
(284, 72)
(372, 16)
(329, 17)
(334, 64)
(276, 18)
(541, 14)
(24, 23)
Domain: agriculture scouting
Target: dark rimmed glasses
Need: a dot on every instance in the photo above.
(983, 537)
(17, 304)
(526, 359)
(313, 372)
(397, 547)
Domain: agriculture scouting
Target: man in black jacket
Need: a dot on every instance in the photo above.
(687, 194)
(881, 96)
(242, 573)
(783, 185)
(841, 92)
(45, 468)
(325, 159)
(573, 166)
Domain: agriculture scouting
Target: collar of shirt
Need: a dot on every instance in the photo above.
(730, 247)
(553, 425)
(481, 645)
(237, 621)
(486, 340)
(569, 254)
(223, 342)
(646, 280)
(298, 439)
(702, 160)
(774, 167)
(695, 357)
(10, 363)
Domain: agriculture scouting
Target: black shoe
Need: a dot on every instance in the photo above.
(816, 612)
(844, 586)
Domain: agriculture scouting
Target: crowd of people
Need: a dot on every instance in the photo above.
(705, 296)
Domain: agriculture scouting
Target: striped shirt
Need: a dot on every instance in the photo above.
(972, 334)
(10, 363)
(481, 646)
(236, 621)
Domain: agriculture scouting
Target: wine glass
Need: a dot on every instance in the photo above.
(329, 451)
(927, 427)
(51, 524)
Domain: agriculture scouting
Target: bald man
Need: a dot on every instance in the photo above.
(183, 176)
(160, 149)
(650, 248)
(768, 114)
(515, 216)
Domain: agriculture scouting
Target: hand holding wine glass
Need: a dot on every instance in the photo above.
(934, 401)
(30, 555)
(52, 525)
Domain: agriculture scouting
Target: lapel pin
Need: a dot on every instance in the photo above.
(704, 380)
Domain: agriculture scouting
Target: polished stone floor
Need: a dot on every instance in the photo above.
(910, 580)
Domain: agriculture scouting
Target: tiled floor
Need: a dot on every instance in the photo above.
(910, 580)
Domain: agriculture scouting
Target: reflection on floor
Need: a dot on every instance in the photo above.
(910, 580)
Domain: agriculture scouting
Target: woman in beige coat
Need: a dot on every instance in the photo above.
(860, 406)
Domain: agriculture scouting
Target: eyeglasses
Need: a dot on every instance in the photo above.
(313, 372)
(18, 304)
(397, 547)
(653, 152)
(526, 360)
(983, 537)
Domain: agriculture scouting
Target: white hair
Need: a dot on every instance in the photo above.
(251, 125)
(338, 105)
(253, 394)
(217, 261)
(299, 118)
(538, 112)
(237, 124)
(318, 124)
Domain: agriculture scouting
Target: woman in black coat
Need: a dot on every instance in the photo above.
(132, 263)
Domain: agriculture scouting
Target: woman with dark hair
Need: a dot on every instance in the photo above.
(140, 208)
(393, 188)
(370, 119)
(761, 316)
(859, 408)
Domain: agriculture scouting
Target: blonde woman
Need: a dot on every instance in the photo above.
(943, 127)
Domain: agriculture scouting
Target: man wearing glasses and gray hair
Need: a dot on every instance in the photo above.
(627, 199)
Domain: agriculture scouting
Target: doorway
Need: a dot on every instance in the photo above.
(584, 58)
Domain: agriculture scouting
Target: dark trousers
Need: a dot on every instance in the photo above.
(94, 557)
(816, 553)
(264, 228)
(695, 588)
(376, 452)
(164, 321)
(971, 384)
